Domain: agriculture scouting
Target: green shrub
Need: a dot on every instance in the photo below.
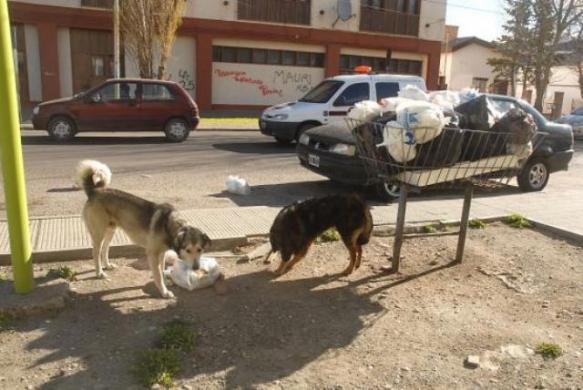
(476, 224)
(517, 221)
(178, 335)
(157, 366)
(548, 350)
(329, 235)
(428, 229)
(62, 272)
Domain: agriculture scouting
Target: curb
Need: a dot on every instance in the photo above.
(128, 250)
(575, 238)
(227, 244)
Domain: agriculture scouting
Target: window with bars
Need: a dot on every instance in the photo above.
(244, 55)
(379, 65)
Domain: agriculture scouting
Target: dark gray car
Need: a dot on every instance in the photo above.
(330, 151)
(575, 119)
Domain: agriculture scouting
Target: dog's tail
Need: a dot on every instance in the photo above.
(91, 175)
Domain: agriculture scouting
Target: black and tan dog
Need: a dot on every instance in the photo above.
(297, 226)
(153, 226)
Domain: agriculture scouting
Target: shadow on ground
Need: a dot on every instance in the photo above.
(282, 194)
(263, 330)
(256, 147)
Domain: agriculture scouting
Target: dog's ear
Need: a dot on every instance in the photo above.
(206, 241)
(179, 239)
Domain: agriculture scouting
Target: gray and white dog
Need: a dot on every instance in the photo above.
(155, 227)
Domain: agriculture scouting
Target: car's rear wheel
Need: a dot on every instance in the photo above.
(534, 176)
(387, 192)
(61, 128)
(177, 130)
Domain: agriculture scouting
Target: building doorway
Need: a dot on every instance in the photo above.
(91, 57)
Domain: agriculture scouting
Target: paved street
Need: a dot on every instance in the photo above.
(192, 174)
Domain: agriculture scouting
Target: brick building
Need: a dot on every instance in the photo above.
(242, 54)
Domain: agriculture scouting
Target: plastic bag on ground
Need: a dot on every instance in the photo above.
(237, 185)
(365, 111)
(414, 93)
(398, 143)
(182, 274)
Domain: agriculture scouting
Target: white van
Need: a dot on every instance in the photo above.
(330, 102)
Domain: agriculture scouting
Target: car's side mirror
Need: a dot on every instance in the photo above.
(96, 98)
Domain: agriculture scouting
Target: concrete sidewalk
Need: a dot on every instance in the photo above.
(65, 238)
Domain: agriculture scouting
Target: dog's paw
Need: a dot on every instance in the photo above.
(346, 272)
(110, 267)
(168, 294)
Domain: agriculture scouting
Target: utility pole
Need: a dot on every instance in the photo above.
(12, 164)
(116, 53)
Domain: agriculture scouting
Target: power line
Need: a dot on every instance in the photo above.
(483, 10)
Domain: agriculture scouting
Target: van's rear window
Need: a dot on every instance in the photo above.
(322, 92)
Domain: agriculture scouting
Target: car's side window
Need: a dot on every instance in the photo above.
(353, 94)
(578, 111)
(116, 92)
(156, 92)
(387, 90)
(503, 105)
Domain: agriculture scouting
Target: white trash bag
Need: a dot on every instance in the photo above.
(365, 111)
(391, 104)
(445, 99)
(182, 274)
(521, 151)
(414, 93)
(425, 119)
(399, 142)
(237, 185)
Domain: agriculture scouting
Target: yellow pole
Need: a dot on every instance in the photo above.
(12, 165)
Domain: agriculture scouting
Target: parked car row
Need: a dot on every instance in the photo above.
(575, 120)
(325, 144)
(121, 105)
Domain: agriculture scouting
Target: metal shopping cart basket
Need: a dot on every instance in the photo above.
(419, 158)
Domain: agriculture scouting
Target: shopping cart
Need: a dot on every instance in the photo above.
(420, 158)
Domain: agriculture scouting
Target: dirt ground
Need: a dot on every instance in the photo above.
(312, 330)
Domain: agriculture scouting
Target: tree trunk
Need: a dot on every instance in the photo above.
(513, 82)
(580, 69)
(525, 75)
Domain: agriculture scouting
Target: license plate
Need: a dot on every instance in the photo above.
(314, 160)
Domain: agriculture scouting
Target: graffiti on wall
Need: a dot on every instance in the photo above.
(185, 79)
(272, 86)
(243, 78)
(301, 81)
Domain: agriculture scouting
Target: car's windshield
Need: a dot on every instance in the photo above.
(322, 92)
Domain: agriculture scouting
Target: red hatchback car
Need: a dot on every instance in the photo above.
(121, 105)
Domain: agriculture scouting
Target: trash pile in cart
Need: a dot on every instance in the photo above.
(421, 130)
